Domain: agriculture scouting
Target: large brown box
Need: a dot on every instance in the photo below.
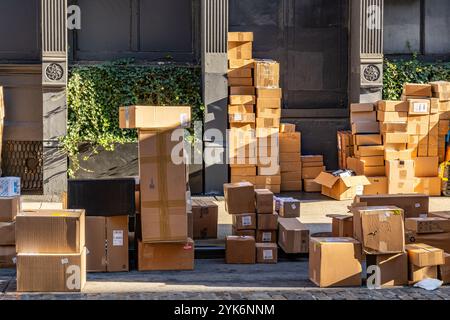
(393, 268)
(379, 229)
(154, 117)
(267, 74)
(107, 243)
(9, 208)
(7, 233)
(240, 250)
(364, 127)
(427, 225)
(335, 262)
(239, 197)
(267, 222)
(244, 221)
(293, 236)
(166, 256)
(7, 257)
(266, 253)
(414, 205)
(437, 240)
(424, 255)
(367, 140)
(239, 73)
(341, 188)
(50, 231)
(163, 191)
(240, 82)
(361, 168)
(264, 201)
(205, 218)
(57, 272)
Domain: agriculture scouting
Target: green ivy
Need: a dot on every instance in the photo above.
(96, 92)
(398, 72)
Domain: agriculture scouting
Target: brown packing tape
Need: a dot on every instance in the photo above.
(239, 52)
(162, 176)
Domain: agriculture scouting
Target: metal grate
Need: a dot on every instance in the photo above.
(54, 35)
(371, 27)
(24, 159)
(215, 24)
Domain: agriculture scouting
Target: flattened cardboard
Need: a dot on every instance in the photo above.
(293, 235)
(240, 250)
(166, 256)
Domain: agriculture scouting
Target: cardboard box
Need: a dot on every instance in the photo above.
(444, 127)
(327, 253)
(416, 127)
(290, 157)
(57, 272)
(312, 164)
(393, 106)
(444, 270)
(268, 180)
(242, 118)
(312, 173)
(401, 155)
(429, 186)
(427, 225)
(242, 90)
(417, 90)
(267, 74)
(378, 185)
(166, 256)
(152, 117)
(205, 217)
(419, 107)
(293, 235)
(362, 107)
(400, 170)
(287, 128)
(263, 112)
(312, 158)
(242, 99)
(295, 167)
(240, 36)
(7, 233)
(423, 255)
(242, 126)
(266, 236)
(266, 253)
(293, 176)
(96, 243)
(240, 250)
(310, 186)
(240, 82)
(379, 229)
(367, 116)
(363, 127)
(393, 268)
(367, 140)
(241, 64)
(385, 116)
(267, 122)
(9, 207)
(244, 221)
(289, 208)
(426, 167)
(341, 225)
(7, 257)
(369, 151)
(240, 50)
(290, 142)
(341, 188)
(264, 201)
(266, 103)
(440, 86)
(269, 93)
(239, 179)
(243, 233)
(376, 161)
(291, 186)
(436, 240)
(239, 198)
(394, 127)
(361, 169)
(240, 73)
(271, 170)
(434, 106)
(67, 236)
(401, 186)
(190, 222)
(163, 197)
(245, 171)
(117, 244)
(417, 274)
(413, 205)
(395, 138)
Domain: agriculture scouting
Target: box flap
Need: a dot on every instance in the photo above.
(356, 181)
(326, 179)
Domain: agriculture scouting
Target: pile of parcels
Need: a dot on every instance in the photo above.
(9, 208)
(260, 150)
(398, 145)
(395, 235)
(261, 223)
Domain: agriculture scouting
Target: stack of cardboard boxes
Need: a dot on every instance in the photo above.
(266, 228)
(163, 242)
(290, 158)
(312, 167)
(424, 261)
(204, 220)
(441, 92)
(9, 208)
(51, 252)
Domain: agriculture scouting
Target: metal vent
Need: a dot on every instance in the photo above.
(24, 159)
(54, 35)
(215, 15)
(372, 27)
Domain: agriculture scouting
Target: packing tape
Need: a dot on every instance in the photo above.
(127, 117)
(162, 190)
(383, 246)
(239, 52)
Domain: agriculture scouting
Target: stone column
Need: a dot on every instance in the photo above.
(214, 24)
(54, 82)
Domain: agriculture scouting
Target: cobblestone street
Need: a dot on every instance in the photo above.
(214, 280)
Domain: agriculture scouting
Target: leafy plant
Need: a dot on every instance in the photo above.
(398, 72)
(96, 92)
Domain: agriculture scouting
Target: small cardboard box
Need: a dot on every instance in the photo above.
(338, 188)
(243, 233)
(426, 167)
(378, 185)
(268, 180)
(440, 86)
(267, 122)
(266, 103)
(367, 140)
(244, 221)
(417, 274)
(266, 253)
(240, 36)
(242, 118)
(67, 231)
(293, 176)
(341, 225)
(418, 127)
(9, 187)
(393, 268)
(240, 82)
(166, 256)
(287, 128)
(241, 64)
(242, 91)
(8, 257)
(326, 254)
(264, 201)
(267, 222)
(407, 154)
(444, 269)
(401, 186)
(57, 272)
(240, 250)
(419, 107)
(242, 99)
(395, 138)
(269, 93)
(289, 208)
(245, 171)
(389, 117)
(239, 197)
(423, 255)
(152, 117)
(369, 151)
(264, 236)
(240, 50)
(312, 172)
(431, 186)
(290, 157)
(263, 112)
(367, 116)
(290, 142)
(417, 90)
(267, 74)
(377, 161)
(7, 233)
(362, 169)
(310, 186)
(293, 235)
(379, 229)
(312, 164)
(205, 218)
(293, 167)
(240, 73)
(400, 170)
(394, 127)
(437, 240)
(291, 186)
(363, 127)
(9, 208)
(427, 225)
(393, 106)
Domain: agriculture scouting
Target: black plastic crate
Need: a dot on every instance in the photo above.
(104, 197)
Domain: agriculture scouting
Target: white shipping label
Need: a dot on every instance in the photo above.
(64, 261)
(184, 119)
(267, 254)
(417, 205)
(267, 236)
(246, 221)
(237, 117)
(293, 206)
(420, 107)
(117, 238)
(359, 190)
